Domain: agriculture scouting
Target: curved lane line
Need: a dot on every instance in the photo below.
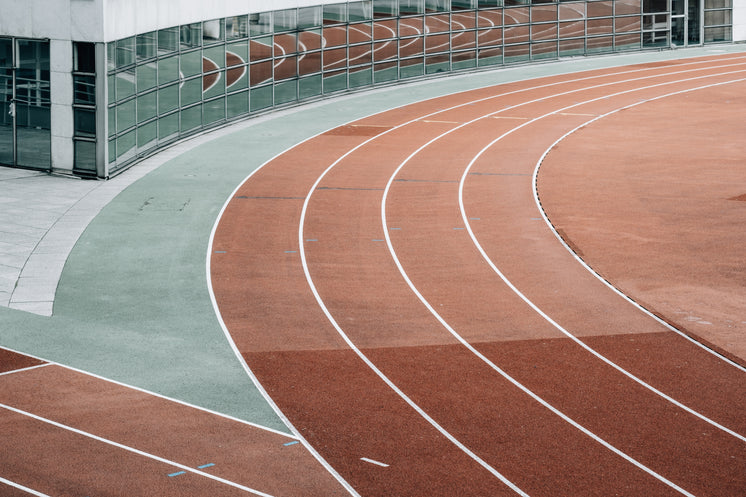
(21, 487)
(534, 306)
(480, 355)
(358, 352)
(134, 451)
(583, 263)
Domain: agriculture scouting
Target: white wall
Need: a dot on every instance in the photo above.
(739, 20)
(78, 20)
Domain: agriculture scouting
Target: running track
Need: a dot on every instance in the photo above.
(396, 290)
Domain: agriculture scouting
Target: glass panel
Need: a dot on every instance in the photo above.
(360, 33)
(516, 53)
(437, 63)
(168, 40)
(464, 39)
(112, 121)
(125, 86)
(286, 67)
(626, 7)
(286, 43)
(84, 57)
(387, 71)
(466, 20)
(126, 146)
(260, 24)
(411, 47)
(309, 63)
(237, 27)
(213, 84)
(32, 106)
(335, 81)
(85, 156)
(437, 5)
(517, 16)
(112, 150)
(286, 20)
(385, 50)
(516, 34)
(361, 76)
(214, 111)
(84, 122)
(261, 98)
(236, 53)
(309, 40)
(718, 4)
(260, 73)
(191, 63)
(360, 11)
(411, 7)
(572, 29)
(168, 127)
(168, 99)
(146, 76)
(360, 54)
(168, 70)
(237, 78)
(147, 136)
(309, 87)
(111, 81)
(147, 46)
(490, 56)
(628, 42)
(285, 92)
(126, 52)
(464, 60)
(213, 58)
(335, 13)
(147, 106)
(84, 90)
(385, 8)
(490, 37)
(627, 24)
(335, 36)
(238, 104)
(191, 91)
(410, 68)
(463, 4)
(603, 44)
(309, 17)
(718, 34)
(438, 23)
(213, 31)
(126, 117)
(543, 32)
(572, 47)
(384, 30)
(335, 58)
(489, 18)
(191, 118)
(544, 50)
(191, 35)
(111, 56)
(413, 26)
(600, 9)
(568, 11)
(260, 48)
(715, 17)
(438, 43)
(600, 26)
(544, 13)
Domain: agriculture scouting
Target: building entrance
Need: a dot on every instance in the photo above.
(25, 137)
(685, 23)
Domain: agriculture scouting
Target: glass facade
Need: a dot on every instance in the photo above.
(167, 84)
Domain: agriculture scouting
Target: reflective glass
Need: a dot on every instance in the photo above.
(214, 111)
(463, 4)
(286, 91)
(191, 118)
(84, 90)
(261, 48)
(146, 76)
(601, 44)
(437, 5)
(260, 98)
(168, 40)
(168, 70)
(213, 58)
(126, 117)
(335, 81)
(213, 31)
(237, 78)
(260, 24)
(147, 106)
(84, 122)
(516, 53)
(237, 104)
(438, 23)
(147, 136)
(84, 156)
(125, 85)
(309, 40)
(335, 13)
(126, 52)
(260, 73)
(168, 127)
(309, 17)
(237, 27)
(437, 63)
(111, 114)
(411, 7)
(361, 76)
(213, 84)
(285, 20)
(286, 68)
(126, 146)
(386, 71)
(147, 46)
(309, 87)
(191, 91)
(385, 8)
(489, 56)
(191, 35)
(409, 68)
(191, 63)
(236, 53)
(361, 11)
(464, 60)
(309, 63)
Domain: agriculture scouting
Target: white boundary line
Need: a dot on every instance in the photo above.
(134, 451)
(581, 261)
(459, 337)
(21, 487)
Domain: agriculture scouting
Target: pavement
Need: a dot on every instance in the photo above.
(110, 276)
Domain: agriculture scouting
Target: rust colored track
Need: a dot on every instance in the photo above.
(360, 298)
(84, 436)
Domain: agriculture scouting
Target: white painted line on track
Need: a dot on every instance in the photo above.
(21, 487)
(134, 451)
(7, 373)
(377, 463)
(579, 259)
(466, 343)
(534, 306)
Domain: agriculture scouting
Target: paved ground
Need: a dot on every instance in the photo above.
(109, 277)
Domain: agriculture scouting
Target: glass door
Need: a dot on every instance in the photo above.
(25, 104)
(7, 111)
(685, 25)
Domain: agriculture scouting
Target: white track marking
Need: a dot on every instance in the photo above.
(466, 343)
(7, 373)
(229, 198)
(21, 487)
(579, 259)
(534, 306)
(134, 451)
(377, 463)
(358, 352)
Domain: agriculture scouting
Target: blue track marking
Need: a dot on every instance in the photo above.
(208, 465)
(177, 473)
(290, 443)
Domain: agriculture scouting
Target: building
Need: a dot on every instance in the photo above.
(89, 86)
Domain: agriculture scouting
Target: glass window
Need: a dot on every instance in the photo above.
(191, 91)
(385, 8)
(411, 7)
(464, 60)
(168, 99)
(126, 115)
(111, 56)
(438, 63)
(261, 98)
(125, 83)
(147, 136)
(147, 46)
(463, 4)
(237, 27)
(84, 122)
(112, 118)
(126, 146)
(213, 31)
(168, 40)
(285, 92)
(168, 70)
(361, 76)
(386, 71)
(191, 35)
(85, 156)
(214, 111)
(261, 48)
(84, 90)
(335, 81)
(147, 107)
(126, 52)
(213, 84)
(191, 118)
(309, 87)
(260, 23)
(309, 17)
(335, 13)
(410, 68)
(84, 57)
(260, 73)
(436, 5)
(191, 63)
(213, 58)
(168, 127)
(285, 20)
(360, 11)
(147, 76)
(238, 104)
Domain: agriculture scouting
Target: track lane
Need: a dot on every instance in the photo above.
(316, 239)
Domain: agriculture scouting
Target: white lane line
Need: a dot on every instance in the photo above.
(135, 451)
(534, 306)
(377, 463)
(218, 218)
(21, 487)
(579, 259)
(358, 352)
(25, 369)
(466, 343)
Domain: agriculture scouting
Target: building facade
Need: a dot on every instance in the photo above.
(87, 87)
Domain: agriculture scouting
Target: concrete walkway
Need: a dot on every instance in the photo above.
(110, 277)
